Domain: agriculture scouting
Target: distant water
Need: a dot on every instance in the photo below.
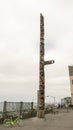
(26, 105)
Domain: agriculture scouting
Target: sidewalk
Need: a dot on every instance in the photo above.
(58, 121)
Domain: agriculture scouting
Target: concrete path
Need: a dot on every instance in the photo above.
(58, 121)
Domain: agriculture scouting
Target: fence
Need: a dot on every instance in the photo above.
(26, 109)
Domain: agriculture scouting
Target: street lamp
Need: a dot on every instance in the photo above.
(53, 98)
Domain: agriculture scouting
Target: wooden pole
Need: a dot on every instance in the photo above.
(41, 92)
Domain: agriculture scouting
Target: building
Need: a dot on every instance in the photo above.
(66, 101)
(71, 81)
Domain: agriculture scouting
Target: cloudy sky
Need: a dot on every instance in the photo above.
(19, 48)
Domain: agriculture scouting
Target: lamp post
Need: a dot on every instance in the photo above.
(53, 98)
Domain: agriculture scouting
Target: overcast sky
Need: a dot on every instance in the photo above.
(19, 48)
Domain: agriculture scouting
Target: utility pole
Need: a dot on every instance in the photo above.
(41, 91)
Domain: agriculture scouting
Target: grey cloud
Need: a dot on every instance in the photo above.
(20, 39)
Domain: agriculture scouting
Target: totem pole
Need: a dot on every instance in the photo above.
(41, 91)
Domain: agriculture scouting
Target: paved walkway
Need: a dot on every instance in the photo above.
(58, 121)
